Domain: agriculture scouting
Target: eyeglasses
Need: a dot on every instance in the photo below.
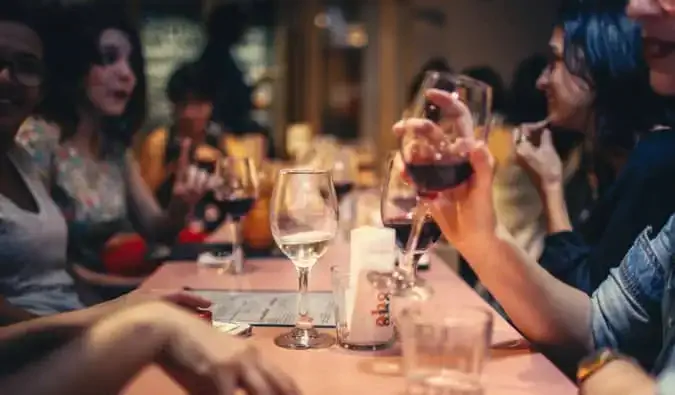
(26, 70)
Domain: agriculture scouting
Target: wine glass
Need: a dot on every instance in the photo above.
(304, 220)
(344, 172)
(398, 204)
(235, 195)
(432, 160)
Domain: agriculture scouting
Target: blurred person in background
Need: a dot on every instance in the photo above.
(233, 97)
(434, 64)
(80, 136)
(597, 82)
(491, 77)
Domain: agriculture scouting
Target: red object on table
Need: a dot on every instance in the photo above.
(128, 257)
(206, 315)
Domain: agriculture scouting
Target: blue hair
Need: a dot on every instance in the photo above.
(604, 48)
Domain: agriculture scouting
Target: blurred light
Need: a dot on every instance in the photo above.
(322, 20)
(357, 36)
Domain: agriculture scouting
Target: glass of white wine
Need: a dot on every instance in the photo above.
(304, 220)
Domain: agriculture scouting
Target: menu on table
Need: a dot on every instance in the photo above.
(268, 308)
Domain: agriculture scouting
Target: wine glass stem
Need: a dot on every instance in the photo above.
(304, 321)
(237, 253)
(411, 257)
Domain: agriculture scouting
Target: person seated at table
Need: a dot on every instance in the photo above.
(597, 82)
(79, 138)
(592, 92)
(631, 312)
(33, 277)
(109, 354)
(191, 95)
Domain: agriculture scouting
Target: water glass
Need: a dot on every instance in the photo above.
(368, 329)
(445, 349)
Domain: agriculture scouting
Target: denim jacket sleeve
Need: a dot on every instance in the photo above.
(626, 308)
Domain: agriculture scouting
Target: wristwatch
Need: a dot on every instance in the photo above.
(596, 361)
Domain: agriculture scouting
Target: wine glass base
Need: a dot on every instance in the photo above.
(304, 339)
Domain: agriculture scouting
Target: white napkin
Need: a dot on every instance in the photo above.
(368, 316)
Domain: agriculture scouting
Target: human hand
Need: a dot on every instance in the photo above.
(205, 361)
(466, 213)
(191, 183)
(180, 298)
(541, 161)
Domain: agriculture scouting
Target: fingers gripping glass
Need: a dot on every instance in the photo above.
(26, 70)
(432, 154)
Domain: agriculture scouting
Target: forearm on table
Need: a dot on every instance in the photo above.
(557, 217)
(619, 377)
(100, 361)
(27, 341)
(546, 310)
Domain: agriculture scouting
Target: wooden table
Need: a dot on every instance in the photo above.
(336, 371)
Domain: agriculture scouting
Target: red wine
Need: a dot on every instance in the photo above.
(403, 226)
(342, 189)
(439, 176)
(237, 208)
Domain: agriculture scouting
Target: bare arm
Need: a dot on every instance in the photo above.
(29, 340)
(153, 222)
(555, 207)
(99, 362)
(555, 314)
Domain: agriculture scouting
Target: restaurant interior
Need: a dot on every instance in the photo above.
(289, 184)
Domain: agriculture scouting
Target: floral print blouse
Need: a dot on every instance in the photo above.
(91, 194)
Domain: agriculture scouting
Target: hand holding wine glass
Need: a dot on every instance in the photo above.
(466, 213)
(450, 112)
(304, 220)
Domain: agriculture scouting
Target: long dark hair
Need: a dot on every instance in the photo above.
(604, 48)
(72, 48)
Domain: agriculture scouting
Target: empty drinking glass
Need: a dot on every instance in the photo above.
(444, 349)
(362, 318)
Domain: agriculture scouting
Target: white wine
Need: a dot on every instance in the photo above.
(305, 248)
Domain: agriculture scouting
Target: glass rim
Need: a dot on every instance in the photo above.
(456, 77)
(450, 317)
(304, 171)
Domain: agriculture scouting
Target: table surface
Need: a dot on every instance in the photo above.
(516, 371)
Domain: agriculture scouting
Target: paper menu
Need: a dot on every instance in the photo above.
(268, 308)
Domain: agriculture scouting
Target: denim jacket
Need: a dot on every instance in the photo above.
(633, 310)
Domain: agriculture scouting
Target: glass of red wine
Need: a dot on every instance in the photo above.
(235, 196)
(344, 173)
(398, 205)
(433, 162)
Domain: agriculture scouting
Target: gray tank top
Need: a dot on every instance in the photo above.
(33, 246)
